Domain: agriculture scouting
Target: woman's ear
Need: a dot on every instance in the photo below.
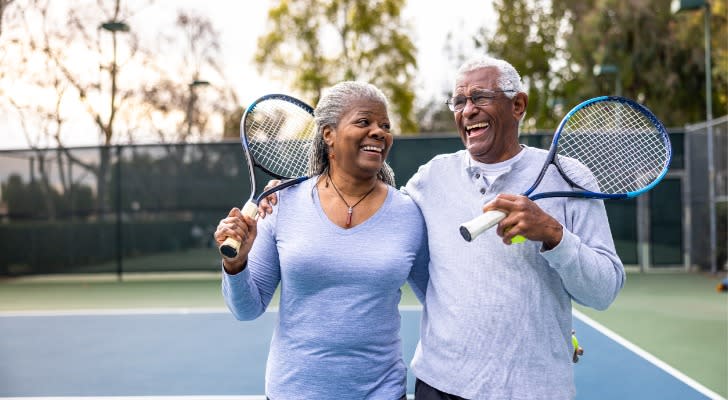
(328, 135)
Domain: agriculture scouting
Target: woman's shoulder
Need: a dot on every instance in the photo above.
(296, 191)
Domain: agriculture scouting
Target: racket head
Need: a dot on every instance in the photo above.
(277, 133)
(611, 147)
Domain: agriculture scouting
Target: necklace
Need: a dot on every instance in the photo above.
(350, 210)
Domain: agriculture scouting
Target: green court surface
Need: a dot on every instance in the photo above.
(678, 317)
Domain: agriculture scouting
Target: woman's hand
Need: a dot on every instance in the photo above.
(241, 228)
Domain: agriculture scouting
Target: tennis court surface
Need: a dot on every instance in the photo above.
(204, 353)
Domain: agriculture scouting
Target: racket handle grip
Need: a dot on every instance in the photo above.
(229, 248)
(473, 228)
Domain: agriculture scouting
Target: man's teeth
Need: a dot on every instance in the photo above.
(478, 125)
(372, 148)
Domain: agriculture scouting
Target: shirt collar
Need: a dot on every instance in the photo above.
(473, 167)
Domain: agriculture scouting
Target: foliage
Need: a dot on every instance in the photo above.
(231, 126)
(184, 94)
(436, 118)
(4, 4)
(557, 44)
(84, 63)
(320, 42)
(26, 200)
(527, 35)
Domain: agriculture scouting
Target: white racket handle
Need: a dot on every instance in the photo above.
(473, 228)
(229, 248)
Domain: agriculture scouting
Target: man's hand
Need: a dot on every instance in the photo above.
(265, 206)
(524, 217)
(578, 351)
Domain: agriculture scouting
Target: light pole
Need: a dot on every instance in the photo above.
(688, 5)
(191, 102)
(608, 69)
(114, 27)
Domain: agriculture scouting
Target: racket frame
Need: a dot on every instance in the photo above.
(229, 248)
(471, 229)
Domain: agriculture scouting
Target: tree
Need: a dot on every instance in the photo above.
(321, 42)
(4, 4)
(658, 57)
(526, 35)
(84, 63)
(190, 103)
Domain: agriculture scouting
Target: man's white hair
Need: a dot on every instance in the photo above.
(509, 78)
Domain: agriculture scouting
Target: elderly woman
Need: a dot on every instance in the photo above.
(341, 245)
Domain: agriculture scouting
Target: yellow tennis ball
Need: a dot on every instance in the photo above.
(518, 239)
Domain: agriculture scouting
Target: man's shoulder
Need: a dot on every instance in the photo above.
(441, 169)
(447, 157)
(403, 204)
(443, 161)
(535, 151)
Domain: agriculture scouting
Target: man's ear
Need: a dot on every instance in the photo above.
(520, 104)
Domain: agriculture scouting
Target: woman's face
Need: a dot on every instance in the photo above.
(361, 141)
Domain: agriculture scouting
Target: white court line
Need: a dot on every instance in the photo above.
(142, 311)
(219, 310)
(647, 356)
(261, 397)
(114, 311)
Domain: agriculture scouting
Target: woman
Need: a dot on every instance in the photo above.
(341, 245)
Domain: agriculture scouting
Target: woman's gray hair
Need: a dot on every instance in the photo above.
(509, 78)
(334, 103)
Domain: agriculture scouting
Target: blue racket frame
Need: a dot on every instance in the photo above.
(586, 194)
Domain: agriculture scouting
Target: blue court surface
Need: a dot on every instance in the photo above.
(188, 354)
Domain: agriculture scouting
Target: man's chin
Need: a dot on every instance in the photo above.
(479, 152)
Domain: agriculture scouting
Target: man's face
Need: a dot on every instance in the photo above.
(489, 130)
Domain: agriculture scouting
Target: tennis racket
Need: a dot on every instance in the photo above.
(277, 133)
(616, 140)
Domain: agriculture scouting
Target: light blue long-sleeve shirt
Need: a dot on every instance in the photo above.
(337, 335)
(497, 319)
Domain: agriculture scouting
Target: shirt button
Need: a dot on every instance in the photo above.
(482, 190)
(477, 176)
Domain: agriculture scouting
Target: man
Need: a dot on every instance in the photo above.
(496, 322)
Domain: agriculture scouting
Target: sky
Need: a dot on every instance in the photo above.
(240, 23)
(431, 22)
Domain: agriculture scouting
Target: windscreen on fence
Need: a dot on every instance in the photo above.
(153, 208)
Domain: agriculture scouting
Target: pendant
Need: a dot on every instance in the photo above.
(348, 217)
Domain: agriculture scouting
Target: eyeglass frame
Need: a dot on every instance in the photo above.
(486, 100)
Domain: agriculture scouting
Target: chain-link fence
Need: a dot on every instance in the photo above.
(152, 208)
(707, 149)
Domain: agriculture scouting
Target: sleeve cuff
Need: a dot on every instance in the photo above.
(565, 251)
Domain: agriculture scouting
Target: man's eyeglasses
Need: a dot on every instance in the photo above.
(479, 98)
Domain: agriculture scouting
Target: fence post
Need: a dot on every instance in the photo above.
(119, 232)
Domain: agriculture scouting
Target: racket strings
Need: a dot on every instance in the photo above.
(623, 149)
(279, 137)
